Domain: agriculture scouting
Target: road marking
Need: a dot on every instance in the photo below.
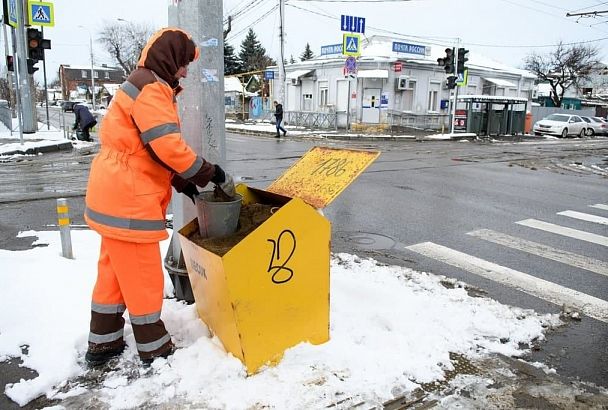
(540, 288)
(600, 206)
(564, 231)
(534, 248)
(585, 217)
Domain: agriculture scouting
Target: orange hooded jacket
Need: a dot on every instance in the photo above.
(142, 152)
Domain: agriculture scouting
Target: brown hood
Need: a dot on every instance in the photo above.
(166, 51)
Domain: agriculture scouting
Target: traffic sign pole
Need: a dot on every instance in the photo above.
(28, 124)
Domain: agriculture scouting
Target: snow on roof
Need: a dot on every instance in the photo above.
(380, 48)
(500, 82)
(88, 67)
(111, 88)
(234, 85)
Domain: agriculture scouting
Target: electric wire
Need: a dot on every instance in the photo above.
(259, 19)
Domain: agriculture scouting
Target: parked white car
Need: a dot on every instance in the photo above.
(596, 126)
(561, 125)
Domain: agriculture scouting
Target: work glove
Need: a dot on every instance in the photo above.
(224, 181)
(190, 191)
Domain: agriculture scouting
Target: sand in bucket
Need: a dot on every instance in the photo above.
(217, 217)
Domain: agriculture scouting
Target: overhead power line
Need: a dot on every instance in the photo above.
(432, 40)
(588, 7)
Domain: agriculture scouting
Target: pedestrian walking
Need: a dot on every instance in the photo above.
(83, 122)
(278, 114)
(142, 156)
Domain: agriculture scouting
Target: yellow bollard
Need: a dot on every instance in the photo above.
(63, 220)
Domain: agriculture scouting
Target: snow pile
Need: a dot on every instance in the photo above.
(391, 327)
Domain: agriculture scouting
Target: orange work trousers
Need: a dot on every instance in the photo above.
(129, 276)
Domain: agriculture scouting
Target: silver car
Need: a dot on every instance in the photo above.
(561, 125)
(596, 126)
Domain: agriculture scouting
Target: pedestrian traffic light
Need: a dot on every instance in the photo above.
(462, 59)
(10, 63)
(36, 44)
(447, 62)
(31, 68)
(451, 82)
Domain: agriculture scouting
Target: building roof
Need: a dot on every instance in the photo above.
(380, 48)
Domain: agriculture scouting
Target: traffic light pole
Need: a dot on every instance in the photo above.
(27, 124)
(453, 110)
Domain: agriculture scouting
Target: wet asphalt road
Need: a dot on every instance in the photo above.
(415, 192)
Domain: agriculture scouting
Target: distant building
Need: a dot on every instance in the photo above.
(394, 80)
(76, 80)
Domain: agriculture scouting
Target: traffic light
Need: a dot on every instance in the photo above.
(10, 63)
(36, 44)
(462, 58)
(448, 61)
(451, 82)
(31, 68)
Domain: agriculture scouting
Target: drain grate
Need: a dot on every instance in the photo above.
(461, 364)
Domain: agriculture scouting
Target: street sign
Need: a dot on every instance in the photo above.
(10, 12)
(409, 48)
(268, 75)
(351, 45)
(350, 65)
(40, 14)
(463, 78)
(331, 49)
(397, 67)
(352, 24)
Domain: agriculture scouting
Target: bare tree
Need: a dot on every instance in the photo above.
(124, 41)
(563, 67)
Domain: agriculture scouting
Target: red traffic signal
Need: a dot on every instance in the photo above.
(10, 63)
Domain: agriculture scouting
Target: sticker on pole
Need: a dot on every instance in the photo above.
(40, 14)
(322, 174)
(351, 44)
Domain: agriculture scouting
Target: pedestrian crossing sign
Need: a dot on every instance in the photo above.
(40, 14)
(351, 44)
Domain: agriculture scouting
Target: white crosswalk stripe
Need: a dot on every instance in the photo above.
(565, 231)
(600, 206)
(545, 290)
(585, 217)
(534, 248)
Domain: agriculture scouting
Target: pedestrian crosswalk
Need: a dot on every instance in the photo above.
(591, 306)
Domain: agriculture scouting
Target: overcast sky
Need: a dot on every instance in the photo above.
(488, 27)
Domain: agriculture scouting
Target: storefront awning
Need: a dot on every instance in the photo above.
(372, 74)
(500, 82)
(297, 74)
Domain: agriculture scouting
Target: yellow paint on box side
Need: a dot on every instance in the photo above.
(322, 174)
(209, 287)
(278, 280)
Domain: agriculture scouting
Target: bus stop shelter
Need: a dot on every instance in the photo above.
(490, 115)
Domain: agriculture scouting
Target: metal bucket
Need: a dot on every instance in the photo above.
(217, 219)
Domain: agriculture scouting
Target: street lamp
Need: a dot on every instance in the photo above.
(92, 71)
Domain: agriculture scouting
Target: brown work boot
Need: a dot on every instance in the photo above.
(98, 355)
(164, 353)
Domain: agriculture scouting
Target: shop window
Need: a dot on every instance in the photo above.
(84, 73)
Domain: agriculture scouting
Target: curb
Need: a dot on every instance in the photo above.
(62, 146)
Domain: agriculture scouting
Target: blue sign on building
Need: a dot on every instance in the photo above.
(331, 49)
(268, 75)
(409, 48)
(352, 24)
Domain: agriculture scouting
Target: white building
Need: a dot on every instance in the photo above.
(393, 78)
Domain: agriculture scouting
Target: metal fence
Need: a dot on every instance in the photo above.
(538, 113)
(311, 119)
(398, 119)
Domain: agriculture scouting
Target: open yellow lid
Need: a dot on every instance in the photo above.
(322, 174)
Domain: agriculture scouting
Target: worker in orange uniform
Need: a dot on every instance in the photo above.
(142, 156)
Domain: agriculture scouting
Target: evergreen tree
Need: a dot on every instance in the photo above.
(307, 54)
(252, 54)
(292, 60)
(232, 65)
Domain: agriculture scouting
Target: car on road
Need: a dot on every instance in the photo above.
(561, 125)
(596, 126)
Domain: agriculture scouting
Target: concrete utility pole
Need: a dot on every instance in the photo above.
(201, 104)
(282, 56)
(453, 110)
(27, 106)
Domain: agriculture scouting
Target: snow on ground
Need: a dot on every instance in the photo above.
(390, 327)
